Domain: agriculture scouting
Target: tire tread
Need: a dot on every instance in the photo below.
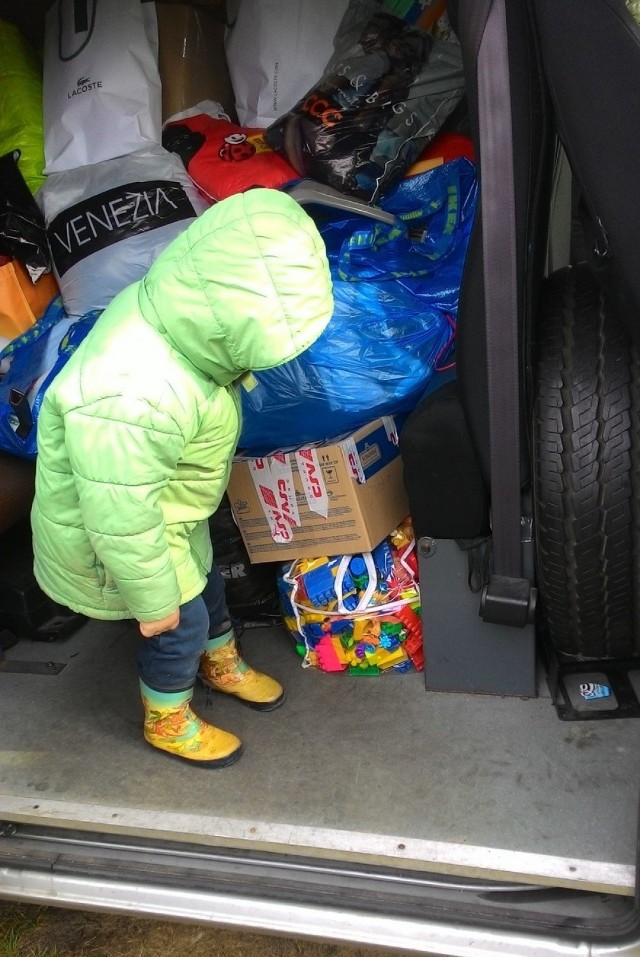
(587, 464)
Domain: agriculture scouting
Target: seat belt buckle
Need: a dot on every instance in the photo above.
(508, 601)
(22, 411)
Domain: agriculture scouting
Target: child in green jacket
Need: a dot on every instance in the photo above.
(135, 441)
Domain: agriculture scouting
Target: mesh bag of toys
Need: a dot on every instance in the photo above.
(357, 613)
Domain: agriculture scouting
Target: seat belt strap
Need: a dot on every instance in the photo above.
(500, 290)
(507, 598)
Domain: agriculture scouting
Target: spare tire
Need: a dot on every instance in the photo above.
(586, 456)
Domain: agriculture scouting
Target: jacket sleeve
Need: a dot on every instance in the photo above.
(123, 454)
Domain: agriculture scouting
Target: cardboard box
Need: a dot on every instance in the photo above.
(339, 498)
(191, 57)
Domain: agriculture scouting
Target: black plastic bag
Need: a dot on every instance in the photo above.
(385, 93)
(251, 590)
(22, 231)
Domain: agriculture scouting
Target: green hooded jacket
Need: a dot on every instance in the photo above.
(136, 434)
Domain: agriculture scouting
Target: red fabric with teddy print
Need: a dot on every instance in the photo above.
(222, 158)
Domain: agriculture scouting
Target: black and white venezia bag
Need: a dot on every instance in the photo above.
(106, 223)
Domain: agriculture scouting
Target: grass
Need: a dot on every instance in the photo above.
(15, 924)
(31, 931)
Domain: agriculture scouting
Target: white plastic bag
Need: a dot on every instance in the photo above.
(101, 86)
(276, 51)
(106, 223)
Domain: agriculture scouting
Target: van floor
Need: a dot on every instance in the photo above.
(367, 769)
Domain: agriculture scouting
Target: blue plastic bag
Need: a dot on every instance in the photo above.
(396, 292)
(34, 359)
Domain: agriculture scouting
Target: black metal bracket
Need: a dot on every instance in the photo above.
(508, 601)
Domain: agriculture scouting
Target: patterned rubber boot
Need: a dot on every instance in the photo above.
(171, 726)
(223, 669)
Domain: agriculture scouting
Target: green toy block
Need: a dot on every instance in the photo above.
(367, 672)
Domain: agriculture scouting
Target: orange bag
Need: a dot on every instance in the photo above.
(22, 302)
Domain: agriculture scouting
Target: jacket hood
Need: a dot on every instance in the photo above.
(245, 287)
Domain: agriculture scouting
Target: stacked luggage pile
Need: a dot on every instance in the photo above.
(132, 147)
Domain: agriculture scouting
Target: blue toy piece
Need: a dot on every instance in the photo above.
(359, 573)
(340, 625)
(403, 667)
(383, 560)
(389, 642)
(314, 633)
(319, 584)
(284, 593)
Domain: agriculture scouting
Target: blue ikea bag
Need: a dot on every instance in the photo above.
(396, 290)
(32, 361)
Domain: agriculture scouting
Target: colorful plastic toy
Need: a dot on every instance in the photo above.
(384, 634)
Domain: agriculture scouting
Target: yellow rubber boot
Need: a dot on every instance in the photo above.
(170, 725)
(223, 669)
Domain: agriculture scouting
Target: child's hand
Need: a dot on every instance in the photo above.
(149, 629)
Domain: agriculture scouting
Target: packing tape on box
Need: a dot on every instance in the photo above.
(310, 472)
(273, 481)
(351, 455)
(272, 478)
(276, 495)
(352, 460)
(390, 428)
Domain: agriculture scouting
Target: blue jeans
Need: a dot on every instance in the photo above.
(169, 662)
